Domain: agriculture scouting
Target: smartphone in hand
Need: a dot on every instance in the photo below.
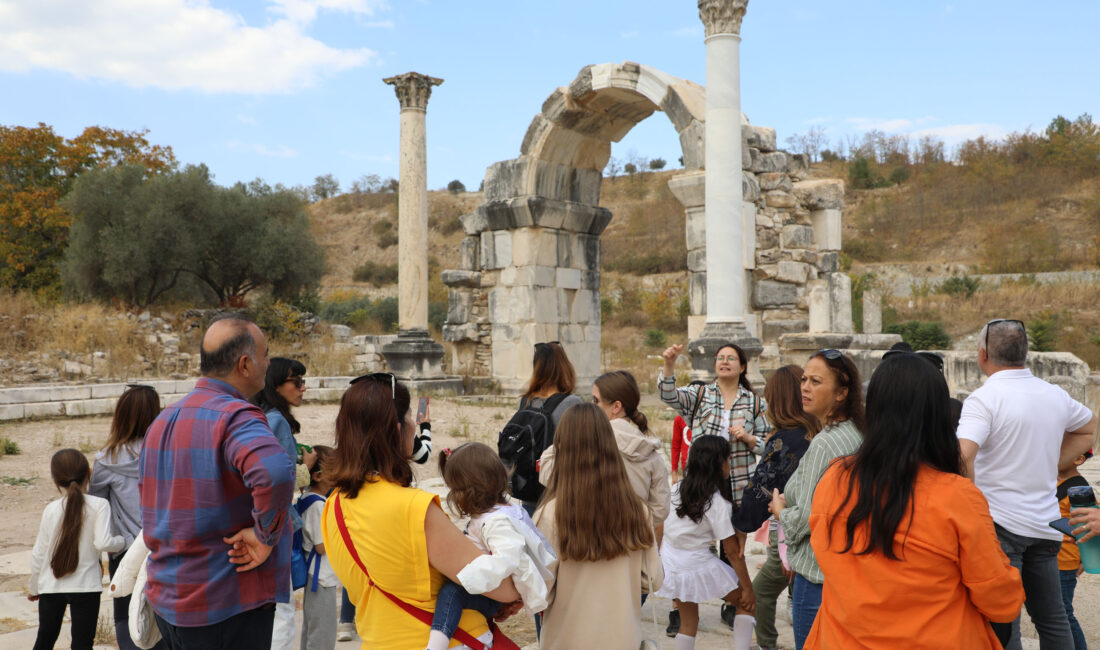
(422, 409)
(1062, 526)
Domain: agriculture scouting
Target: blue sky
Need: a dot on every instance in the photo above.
(290, 89)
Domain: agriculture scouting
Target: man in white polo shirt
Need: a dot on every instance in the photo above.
(1014, 433)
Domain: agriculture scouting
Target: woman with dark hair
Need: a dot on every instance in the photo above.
(115, 478)
(551, 387)
(906, 543)
(420, 548)
(284, 387)
(601, 532)
(831, 392)
(782, 453)
(617, 395)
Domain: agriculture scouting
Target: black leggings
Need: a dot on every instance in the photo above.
(84, 611)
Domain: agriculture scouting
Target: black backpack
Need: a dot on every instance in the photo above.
(521, 443)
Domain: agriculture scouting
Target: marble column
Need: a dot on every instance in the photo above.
(725, 260)
(414, 355)
(413, 90)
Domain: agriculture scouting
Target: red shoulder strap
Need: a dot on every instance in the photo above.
(500, 642)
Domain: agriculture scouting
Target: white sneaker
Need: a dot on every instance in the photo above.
(345, 631)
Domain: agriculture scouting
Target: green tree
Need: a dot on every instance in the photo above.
(38, 168)
(657, 164)
(325, 187)
(456, 186)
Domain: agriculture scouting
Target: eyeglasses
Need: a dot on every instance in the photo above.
(297, 381)
(731, 357)
(381, 377)
(993, 322)
(831, 355)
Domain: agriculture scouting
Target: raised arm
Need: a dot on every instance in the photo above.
(678, 398)
(449, 551)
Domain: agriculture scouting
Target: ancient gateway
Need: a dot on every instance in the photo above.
(530, 262)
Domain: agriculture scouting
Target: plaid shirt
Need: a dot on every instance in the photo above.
(210, 467)
(708, 422)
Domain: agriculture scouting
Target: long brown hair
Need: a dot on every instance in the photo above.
(847, 376)
(783, 393)
(70, 471)
(598, 516)
(551, 369)
(370, 436)
(476, 477)
(620, 386)
(134, 412)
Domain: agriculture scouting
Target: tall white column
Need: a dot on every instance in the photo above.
(725, 249)
(413, 90)
(724, 232)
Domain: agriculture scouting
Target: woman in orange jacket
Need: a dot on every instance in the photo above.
(906, 543)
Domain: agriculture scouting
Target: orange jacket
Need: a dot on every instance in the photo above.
(951, 580)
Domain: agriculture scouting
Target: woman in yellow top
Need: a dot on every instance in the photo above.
(399, 532)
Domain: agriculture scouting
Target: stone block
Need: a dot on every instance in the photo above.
(771, 294)
(828, 262)
(768, 255)
(546, 251)
(90, 407)
(69, 393)
(750, 189)
(840, 303)
(600, 221)
(746, 157)
(767, 162)
(748, 235)
(11, 412)
(20, 395)
(820, 194)
(780, 199)
(43, 409)
(524, 246)
(461, 279)
(794, 272)
(458, 306)
(798, 165)
(100, 391)
(568, 279)
(475, 223)
(872, 312)
(460, 333)
(760, 137)
(818, 303)
(693, 144)
(774, 181)
(689, 188)
(488, 253)
(468, 254)
(505, 359)
(590, 280)
(697, 260)
(766, 271)
(339, 332)
(796, 237)
(565, 249)
(773, 329)
(545, 306)
(695, 228)
(339, 382)
(697, 292)
(827, 230)
(766, 238)
(184, 386)
(585, 307)
(565, 304)
(542, 276)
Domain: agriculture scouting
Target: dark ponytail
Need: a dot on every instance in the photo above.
(69, 469)
(620, 386)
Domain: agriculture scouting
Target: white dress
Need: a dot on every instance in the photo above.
(692, 573)
(516, 548)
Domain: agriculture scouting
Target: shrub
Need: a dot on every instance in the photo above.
(657, 164)
(387, 239)
(450, 225)
(381, 227)
(280, 320)
(655, 338)
(922, 335)
(437, 314)
(899, 175)
(647, 263)
(959, 285)
(1042, 332)
(376, 274)
(456, 186)
(9, 447)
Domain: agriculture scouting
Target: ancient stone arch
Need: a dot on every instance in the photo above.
(530, 262)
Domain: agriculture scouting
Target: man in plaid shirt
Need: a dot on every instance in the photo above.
(215, 487)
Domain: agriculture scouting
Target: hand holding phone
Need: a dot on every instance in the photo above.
(422, 411)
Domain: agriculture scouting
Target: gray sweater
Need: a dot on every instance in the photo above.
(117, 481)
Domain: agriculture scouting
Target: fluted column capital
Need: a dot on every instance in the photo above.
(722, 16)
(413, 89)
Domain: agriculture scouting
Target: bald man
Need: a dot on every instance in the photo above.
(215, 487)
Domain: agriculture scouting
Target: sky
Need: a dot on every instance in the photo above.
(287, 90)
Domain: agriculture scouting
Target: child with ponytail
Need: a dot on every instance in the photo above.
(65, 561)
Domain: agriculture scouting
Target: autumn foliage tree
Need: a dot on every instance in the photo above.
(37, 168)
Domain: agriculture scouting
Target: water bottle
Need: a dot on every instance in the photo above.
(1083, 497)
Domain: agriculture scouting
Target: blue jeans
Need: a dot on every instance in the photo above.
(1037, 560)
(1069, 585)
(347, 610)
(807, 600)
(450, 602)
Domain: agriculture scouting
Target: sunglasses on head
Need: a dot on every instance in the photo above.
(831, 355)
(993, 322)
(547, 344)
(380, 377)
(139, 387)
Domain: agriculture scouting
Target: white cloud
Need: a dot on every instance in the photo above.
(380, 24)
(175, 44)
(626, 35)
(280, 151)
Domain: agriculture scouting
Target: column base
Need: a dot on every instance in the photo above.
(703, 349)
(414, 355)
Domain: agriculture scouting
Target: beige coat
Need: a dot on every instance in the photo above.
(595, 604)
(645, 466)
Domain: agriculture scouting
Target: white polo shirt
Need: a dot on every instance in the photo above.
(1018, 421)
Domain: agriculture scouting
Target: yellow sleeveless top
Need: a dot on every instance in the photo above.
(386, 523)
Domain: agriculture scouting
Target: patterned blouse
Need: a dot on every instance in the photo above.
(708, 421)
(780, 459)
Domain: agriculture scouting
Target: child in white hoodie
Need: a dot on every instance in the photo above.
(478, 485)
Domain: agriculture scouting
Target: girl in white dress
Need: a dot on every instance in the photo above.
(701, 513)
